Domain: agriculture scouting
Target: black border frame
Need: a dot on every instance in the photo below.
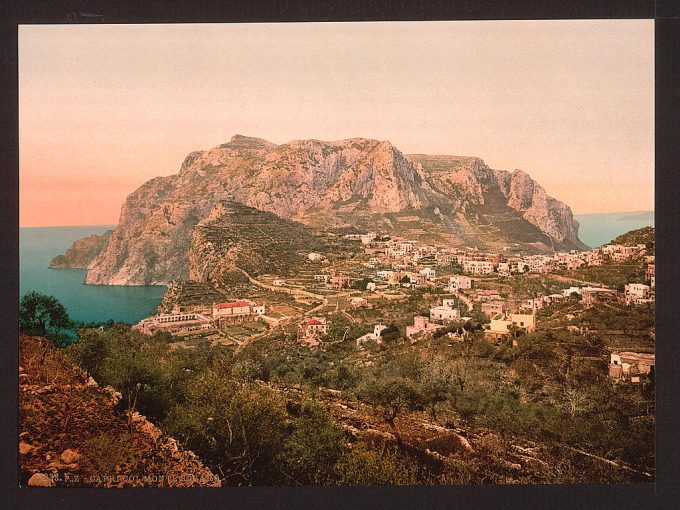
(664, 493)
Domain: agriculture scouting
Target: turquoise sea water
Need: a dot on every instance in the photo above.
(86, 303)
(599, 229)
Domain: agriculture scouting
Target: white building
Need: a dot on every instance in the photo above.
(460, 282)
(571, 290)
(444, 313)
(504, 268)
(375, 336)
(383, 275)
(428, 273)
(478, 266)
(637, 293)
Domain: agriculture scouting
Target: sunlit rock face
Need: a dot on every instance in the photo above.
(317, 183)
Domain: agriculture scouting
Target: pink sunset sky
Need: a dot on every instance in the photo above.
(103, 108)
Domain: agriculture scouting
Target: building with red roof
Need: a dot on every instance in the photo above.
(232, 308)
(311, 329)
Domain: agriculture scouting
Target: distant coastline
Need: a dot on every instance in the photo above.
(597, 229)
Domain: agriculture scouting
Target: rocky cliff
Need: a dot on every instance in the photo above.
(355, 182)
(82, 253)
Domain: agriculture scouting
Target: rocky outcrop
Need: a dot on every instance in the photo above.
(73, 434)
(353, 182)
(82, 253)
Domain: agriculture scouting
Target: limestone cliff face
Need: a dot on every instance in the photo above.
(315, 183)
(470, 180)
(82, 253)
(550, 215)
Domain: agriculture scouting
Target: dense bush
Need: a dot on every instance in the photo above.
(231, 409)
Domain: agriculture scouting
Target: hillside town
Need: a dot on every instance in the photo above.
(471, 288)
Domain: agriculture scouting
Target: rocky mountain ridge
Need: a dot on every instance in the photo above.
(355, 182)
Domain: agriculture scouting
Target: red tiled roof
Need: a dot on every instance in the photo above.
(235, 304)
(314, 322)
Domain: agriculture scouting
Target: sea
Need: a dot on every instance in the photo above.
(601, 228)
(100, 303)
(84, 303)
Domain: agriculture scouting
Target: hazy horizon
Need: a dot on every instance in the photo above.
(104, 108)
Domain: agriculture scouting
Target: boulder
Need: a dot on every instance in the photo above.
(40, 480)
(70, 456)
(25, 448)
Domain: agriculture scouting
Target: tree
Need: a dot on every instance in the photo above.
(436, 384)
(310, 453)
(237, 429)
(391, 334)
(361, 283)
(90, 351)
(392, 395)
(461, 366)
(136, 366)
(574, 401)
(43, 315)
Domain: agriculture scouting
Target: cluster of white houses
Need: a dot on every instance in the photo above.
(402, 254)
(202, 318)
(404, 263)
(502, 323)
(633, 294)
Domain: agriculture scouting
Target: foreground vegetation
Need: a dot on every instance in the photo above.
(444, 410)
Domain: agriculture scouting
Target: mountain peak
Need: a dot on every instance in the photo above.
(248, 142)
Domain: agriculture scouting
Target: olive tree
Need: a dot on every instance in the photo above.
(391, 395)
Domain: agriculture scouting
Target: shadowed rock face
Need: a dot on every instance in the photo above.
(315, 183)
(82, 253)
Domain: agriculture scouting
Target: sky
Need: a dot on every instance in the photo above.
(104, 108)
